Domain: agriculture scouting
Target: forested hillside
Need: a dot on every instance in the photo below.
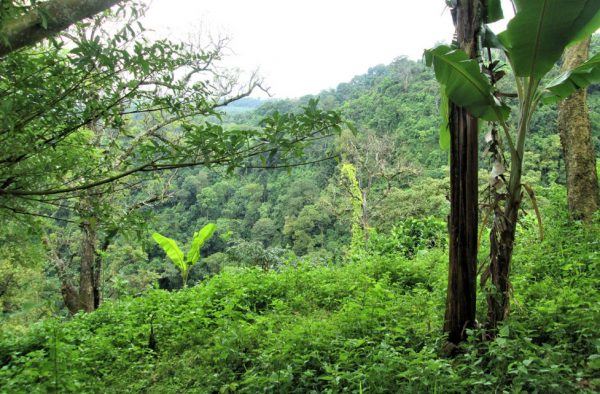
(307, 210)
(163, 231)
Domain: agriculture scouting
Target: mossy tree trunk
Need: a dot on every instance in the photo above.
(88, 274)
(576, 140)
(47, 19)
(86, 295)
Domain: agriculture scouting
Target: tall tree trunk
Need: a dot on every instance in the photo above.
(576, 140)
(110, 235)
(80, 298)
(364, 218)
(88, 295)
(68, 291)
(462, 271)
(88, 275)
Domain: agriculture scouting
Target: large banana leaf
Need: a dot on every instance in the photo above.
(171, 249)
(464, 84)
(492, 11)
(200, 237)
(541, 29)
(588, 29)
(579, 78)
(490, 39)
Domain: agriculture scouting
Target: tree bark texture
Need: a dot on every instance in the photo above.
(462, 270)
(502, 239)
(88, 296)
(49, 18)
(364, 218)
(88, 271)
(70, 295)
(576, 140)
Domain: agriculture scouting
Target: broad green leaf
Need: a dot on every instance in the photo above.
(490, 39)
(493, 11)
(579, 78)
(588, 29)
(541, 29)
(594, 361)
(171, 249)
(444, 127)
(200, 237)
(350, 125)
(464, 84)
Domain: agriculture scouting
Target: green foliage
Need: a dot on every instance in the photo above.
(444, 124)
(536, 37)
(372, 325)
(410, 237)
(118, 104)
(533, 42)
(171, 249)
(308, 228)
(199, 239)
(25, 293)
(255, 254)
(348, 172)
(425, 197)
(463, 83)
(193, 255)
(493, 11)
(566, 84)
(305, 209)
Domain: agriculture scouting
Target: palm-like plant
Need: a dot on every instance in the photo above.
(532, 44)
(185, 263)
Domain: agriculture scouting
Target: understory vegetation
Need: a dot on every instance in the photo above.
(370, 325)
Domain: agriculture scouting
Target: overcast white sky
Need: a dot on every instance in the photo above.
(304, 46)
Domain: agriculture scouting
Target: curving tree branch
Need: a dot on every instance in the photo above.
(49, 18)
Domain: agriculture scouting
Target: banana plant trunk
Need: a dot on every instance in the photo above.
(463, 220)
(502, 239)
(504, 227)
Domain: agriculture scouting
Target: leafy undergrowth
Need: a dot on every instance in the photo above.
(369, 326)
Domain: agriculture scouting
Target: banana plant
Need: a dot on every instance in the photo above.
(533, 42)
(185, 263)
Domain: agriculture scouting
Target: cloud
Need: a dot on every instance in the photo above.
(303, 47)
